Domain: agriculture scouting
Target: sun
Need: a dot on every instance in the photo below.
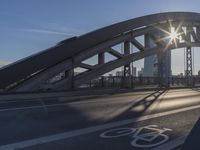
(173, 34)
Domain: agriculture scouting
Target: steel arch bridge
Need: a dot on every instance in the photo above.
(34, 72)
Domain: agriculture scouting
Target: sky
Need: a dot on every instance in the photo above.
(29, 26)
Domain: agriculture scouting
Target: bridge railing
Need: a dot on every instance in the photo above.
(116, 81)
(140, 82)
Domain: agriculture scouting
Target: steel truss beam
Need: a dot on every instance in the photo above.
(102, 69)
(138, 45)
(34, 83)
(115, 53)
(38, 81)
(71, 53)
(107, 67)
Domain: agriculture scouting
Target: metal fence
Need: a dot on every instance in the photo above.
(133, 82)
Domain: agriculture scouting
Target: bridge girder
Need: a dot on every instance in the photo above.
(107, 67)
(71, 53)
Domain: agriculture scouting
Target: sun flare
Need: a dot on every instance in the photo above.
(173, 34)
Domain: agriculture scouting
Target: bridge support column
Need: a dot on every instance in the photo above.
(127, 67)
(160, 65)
(164, 68)
(70, 75)
(101, 58)
(189, 67)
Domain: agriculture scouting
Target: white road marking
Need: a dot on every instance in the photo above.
(33, 99)
(74, 102)
(137, 134)
(31, 107)
(26, 96)
(172, 144)
(138, 98)
(74, 133)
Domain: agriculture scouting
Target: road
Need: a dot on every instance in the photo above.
(93, 122)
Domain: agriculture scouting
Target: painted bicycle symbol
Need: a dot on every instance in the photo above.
(143, 137)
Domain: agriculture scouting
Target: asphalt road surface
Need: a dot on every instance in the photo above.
(128, 121)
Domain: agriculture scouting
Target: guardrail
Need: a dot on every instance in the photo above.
(134, 82)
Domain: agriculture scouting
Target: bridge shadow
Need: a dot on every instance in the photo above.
(20, 125)
(141, 107)
(196, 89)
(33, 123)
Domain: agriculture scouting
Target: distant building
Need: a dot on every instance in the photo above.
(120, 73)
(151, 62)
(141, 72)
(199, 73)
(134, 71)
(142, 69)
(150, 66)
(180, 75)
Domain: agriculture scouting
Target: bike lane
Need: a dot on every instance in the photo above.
(141, 135)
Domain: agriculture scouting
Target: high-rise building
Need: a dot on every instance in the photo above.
(150, 66)
(119, 73)
(151, 63)
(180, 75)
(165, 61)
(141, 72)
(134, 71)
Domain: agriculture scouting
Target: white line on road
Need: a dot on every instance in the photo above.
(32, 107)
(172, 144)
(138, 98)
(74, 133)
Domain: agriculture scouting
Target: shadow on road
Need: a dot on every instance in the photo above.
(20, 125)
(139, 108)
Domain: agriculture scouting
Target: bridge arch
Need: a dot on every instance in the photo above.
(33, 72)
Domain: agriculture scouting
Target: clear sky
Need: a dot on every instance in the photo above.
(29, 26)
